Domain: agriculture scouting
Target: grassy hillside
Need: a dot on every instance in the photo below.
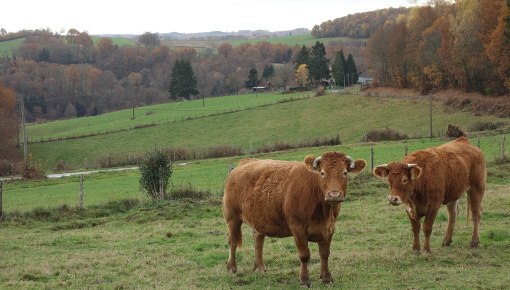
(348, 116)
(7, 47)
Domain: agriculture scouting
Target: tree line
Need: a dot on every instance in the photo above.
(460, 45)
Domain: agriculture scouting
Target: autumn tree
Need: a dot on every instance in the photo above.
(498, 47)
(149, 39)
(183, 82)
(8, 124)
(302, 76)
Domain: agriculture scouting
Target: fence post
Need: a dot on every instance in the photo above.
(1, 206)
(503, 147)
(161, 188)
(230, 167)
(405, 150)
(371, 159)
(81, 191)
(478, 143)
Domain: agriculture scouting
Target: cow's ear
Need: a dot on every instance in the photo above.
(359, 165)
(415, 171)
(381, 171)
(311, 163)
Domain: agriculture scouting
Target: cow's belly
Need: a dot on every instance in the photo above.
(270, 228)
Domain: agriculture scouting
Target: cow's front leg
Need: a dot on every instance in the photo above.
(259, 246)
(427, 227)
(304, 256)
(415, 224)
(324, 254)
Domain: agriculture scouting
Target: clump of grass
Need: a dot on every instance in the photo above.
(485, 126)
(188, 191)
(387, 134)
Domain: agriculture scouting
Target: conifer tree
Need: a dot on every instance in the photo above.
(184, 82)
(303, 57)
(253, 79)
(318, 66)
(339, 68)
(352, 72)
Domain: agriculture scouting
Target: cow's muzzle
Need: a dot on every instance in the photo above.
(334, 197)
(394, 200)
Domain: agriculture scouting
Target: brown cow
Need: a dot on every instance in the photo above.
(427, 178)
(288, 198)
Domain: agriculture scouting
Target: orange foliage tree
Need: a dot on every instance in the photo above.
(8, 124)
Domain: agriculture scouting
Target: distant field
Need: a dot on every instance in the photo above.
(299, 40)
(6, 47)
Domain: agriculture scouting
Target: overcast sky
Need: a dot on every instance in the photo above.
(137, 17)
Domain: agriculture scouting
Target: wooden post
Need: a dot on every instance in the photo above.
(372, 159)
(161, 187)
(503, 147)
(478, 143)
(230, 168)
(81, 191)
(405, 150)
(1, 207)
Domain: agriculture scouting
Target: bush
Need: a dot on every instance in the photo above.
(156, 169)
(33, 169)
(188, 191)
(384, 135)
(485, 126)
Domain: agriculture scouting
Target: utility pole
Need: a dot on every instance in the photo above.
(25, 149)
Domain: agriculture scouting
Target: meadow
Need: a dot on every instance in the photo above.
(122, 240)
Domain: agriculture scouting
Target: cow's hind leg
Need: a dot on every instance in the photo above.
(234, 240)
(259, 246)
(453, 211)
(475, 196)
(324, 254)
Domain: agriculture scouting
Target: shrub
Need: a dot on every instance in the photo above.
(485, 126)
(387, 134)
(188, 191)
(156, 169)
(33, 169)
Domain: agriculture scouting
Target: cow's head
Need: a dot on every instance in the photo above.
(333, 168)
(401, 177)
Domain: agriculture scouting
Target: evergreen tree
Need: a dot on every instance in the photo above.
(268, 72)
(184, 82)
(253, 79)
(318, 66)
(352, 72)
(339, 68)
(303, 57)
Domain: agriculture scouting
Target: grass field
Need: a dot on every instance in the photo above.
(181, 244)
(245, 124)
(122, 240)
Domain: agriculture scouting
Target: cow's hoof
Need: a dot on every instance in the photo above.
(473, 245)
(232, 268)
(305, 282)
(326, 278)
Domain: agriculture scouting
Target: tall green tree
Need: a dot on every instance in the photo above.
(184, 82)
(339, 68)
(268, 72)
(318, 66)
(303, 57)
(352, 72)
(253, 79)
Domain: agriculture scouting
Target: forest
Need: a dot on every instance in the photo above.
(461, 45)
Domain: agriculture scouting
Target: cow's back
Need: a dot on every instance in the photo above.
(449, 169)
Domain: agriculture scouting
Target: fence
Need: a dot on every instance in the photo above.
(500, 154)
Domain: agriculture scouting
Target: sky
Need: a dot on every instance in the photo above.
(186, 16)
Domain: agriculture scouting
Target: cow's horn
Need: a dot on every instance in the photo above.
(353, 164)
(382, 166)
(411, 165)
(317, 161)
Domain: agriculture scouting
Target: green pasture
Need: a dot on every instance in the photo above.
(241, 121)
(298, 40)
(7, 47)
(181, 244)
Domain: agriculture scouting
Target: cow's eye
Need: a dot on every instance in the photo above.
(404, 180)
(344, 174)
(323, 174)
